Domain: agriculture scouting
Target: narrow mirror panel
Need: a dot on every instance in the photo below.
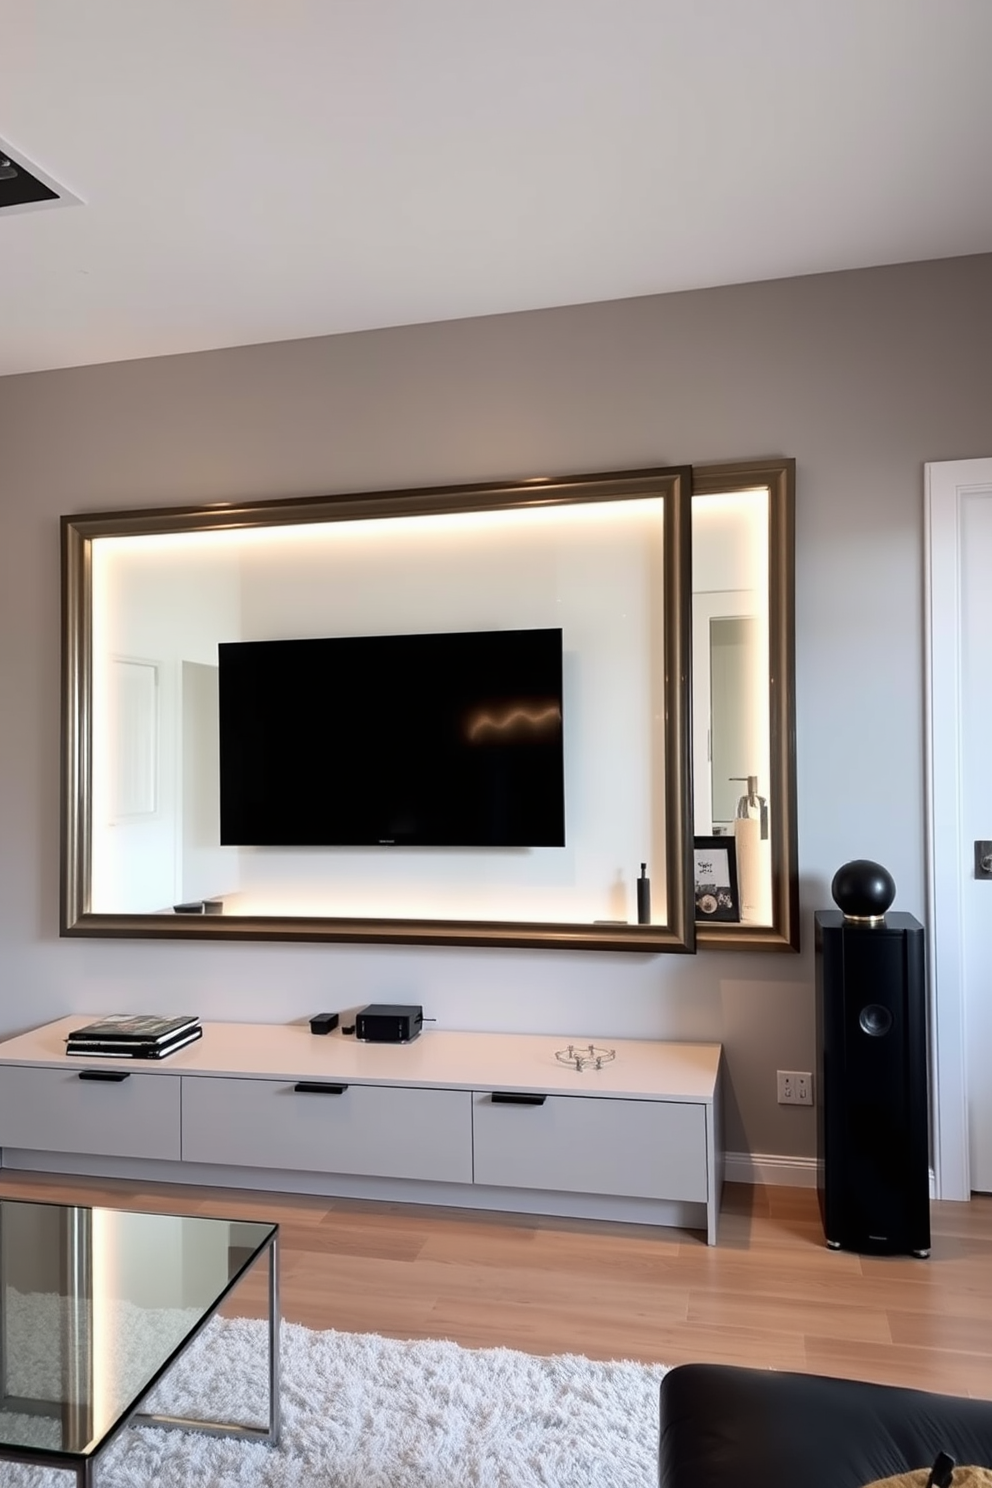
(744, 860)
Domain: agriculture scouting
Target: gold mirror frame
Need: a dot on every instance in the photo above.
(673, 484)
(780, 478)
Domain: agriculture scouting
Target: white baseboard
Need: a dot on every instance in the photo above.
(770, 1168)
(782, 1172)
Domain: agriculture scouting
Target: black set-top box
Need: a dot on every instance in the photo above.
(389, 1023)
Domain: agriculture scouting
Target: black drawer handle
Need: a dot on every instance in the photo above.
(109, 1077)
(313, 1087)
(509, 1098)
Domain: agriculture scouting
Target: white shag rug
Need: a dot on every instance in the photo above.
(359, 1411)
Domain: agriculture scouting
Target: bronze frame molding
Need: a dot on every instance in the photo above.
(780, 478)
(674, 484)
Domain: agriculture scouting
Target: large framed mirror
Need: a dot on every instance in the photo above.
(743, 705)
(165, 832)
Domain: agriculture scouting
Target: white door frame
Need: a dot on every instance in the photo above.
(949, 850)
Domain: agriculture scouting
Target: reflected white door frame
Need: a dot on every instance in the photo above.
(707, 606)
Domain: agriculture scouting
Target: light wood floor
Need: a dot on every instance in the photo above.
(769, 1294)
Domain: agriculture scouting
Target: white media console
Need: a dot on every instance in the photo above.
(476, 1120)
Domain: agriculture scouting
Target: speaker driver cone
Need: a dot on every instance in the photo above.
(875, 1020)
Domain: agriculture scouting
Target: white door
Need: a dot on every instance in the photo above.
(959, 710)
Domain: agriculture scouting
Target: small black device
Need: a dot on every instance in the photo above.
(389, 1023)
(323, 1022)
(942, 1472)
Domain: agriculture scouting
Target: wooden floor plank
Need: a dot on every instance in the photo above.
(943, 1370)
(761, 1310)
(770, 1294)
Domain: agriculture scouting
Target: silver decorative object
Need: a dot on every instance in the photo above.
(585, 1056)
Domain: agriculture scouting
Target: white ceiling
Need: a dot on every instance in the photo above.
(256, 170)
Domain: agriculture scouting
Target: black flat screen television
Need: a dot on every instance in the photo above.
(446, 740)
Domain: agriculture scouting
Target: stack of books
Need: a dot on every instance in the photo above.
(133, 1036)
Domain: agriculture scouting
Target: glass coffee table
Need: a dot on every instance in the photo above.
(96, 1304)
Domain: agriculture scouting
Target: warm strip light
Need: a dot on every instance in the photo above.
(569, 514)
(731, 503)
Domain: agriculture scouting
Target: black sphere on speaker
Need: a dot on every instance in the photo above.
(863, 889)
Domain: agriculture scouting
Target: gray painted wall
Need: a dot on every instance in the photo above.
(861, 376)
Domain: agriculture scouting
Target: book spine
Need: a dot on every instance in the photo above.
(128, 1040)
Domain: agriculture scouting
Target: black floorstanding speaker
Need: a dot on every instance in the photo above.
(873, 1169)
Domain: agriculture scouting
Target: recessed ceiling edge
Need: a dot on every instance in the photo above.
(25, 187)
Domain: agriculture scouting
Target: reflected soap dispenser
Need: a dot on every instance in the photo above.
(644, 897)
(752, 807)
(750, 832)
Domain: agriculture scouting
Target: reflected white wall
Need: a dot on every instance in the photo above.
(160, 603)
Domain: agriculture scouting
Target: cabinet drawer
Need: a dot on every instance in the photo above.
(53, 1110)
(640, 1149)
(373, 1130)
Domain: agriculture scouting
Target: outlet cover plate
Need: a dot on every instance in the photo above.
(795, 1087)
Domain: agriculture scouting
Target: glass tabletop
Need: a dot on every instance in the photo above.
(95, 1304)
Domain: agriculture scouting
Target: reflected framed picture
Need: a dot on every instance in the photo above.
(715, 877)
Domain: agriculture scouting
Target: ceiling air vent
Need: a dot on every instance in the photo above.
(25, 188)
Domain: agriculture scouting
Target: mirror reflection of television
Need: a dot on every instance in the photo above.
(441, 740)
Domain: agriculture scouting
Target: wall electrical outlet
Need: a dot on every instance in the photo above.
(795, 1088)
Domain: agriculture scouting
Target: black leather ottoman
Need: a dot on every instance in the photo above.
(724, 1427)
